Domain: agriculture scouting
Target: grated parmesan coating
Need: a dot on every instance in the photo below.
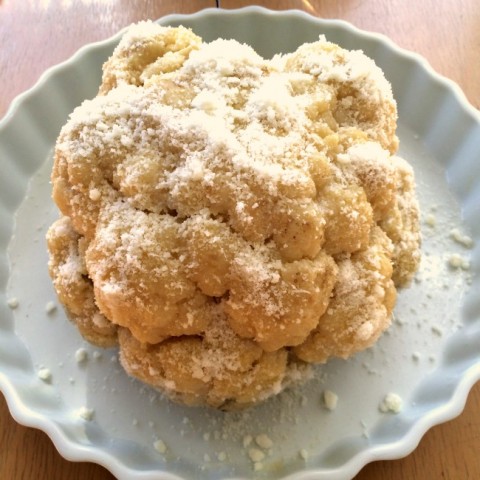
(230, 219)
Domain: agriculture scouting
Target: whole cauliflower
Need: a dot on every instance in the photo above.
(228, 219)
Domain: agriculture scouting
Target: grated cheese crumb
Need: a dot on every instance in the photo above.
(330, 400)
(45, 374)
(431, 220)
(263, 441)
(391, 403)
(437, 330)
(94, 194)
(256, 455)
(85, 413)
(415, 356)
(303, 454)
(81, 355)
(460, 238)
(50, 307)
(13, 303)
(160, 446)
(457, 261)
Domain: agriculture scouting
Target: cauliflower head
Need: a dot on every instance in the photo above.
(228, 219)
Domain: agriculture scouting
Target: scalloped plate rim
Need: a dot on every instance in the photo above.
(74, 451)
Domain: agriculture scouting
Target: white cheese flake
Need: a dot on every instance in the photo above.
(303, 454)
(86, 413)
(431, 220)
(50, 307)
(391, 403)
(81, 355)
(416, 356)
(457, 261)
(460, 238)
(45, 375)
(256, 455)
(94, 194)
(330, 400)
(437, 330)
(13, 303)
(160, 446)
(264, 441)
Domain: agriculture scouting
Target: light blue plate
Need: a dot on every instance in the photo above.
(430, 356)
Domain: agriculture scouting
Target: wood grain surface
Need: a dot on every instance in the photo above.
(36, 34)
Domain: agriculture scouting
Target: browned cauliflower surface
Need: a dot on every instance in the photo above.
(230, 219)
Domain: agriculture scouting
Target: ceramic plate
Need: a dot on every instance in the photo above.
(430, 356)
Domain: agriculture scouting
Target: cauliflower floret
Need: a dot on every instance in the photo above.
(73, 287)
(219, 368)
(146, 51)
(401, 225)
(363, 95)
(231, 218)
(361, 304)
(135, 263)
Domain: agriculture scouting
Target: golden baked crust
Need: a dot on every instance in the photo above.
(224, 206)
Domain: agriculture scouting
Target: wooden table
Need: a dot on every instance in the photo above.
(35, 34)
